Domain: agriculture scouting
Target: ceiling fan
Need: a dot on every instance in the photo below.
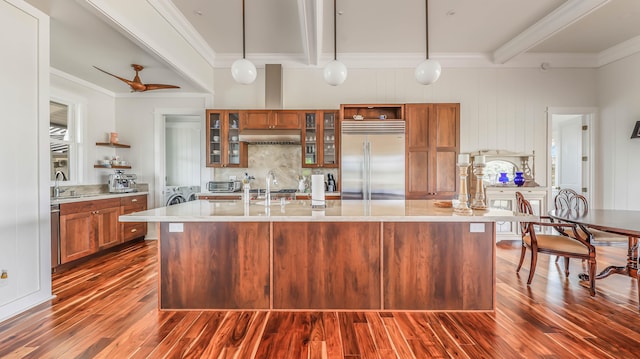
(137, 85)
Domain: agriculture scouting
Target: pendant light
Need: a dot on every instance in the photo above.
(428, 71)
(243, 70)
(335, 72)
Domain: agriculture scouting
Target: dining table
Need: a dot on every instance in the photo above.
(623, 222)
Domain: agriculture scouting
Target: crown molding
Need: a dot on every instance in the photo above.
(566, 14)
(411, 60)
(164, 94)
(81, 82)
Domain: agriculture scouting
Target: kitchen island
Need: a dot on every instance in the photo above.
(352, 255)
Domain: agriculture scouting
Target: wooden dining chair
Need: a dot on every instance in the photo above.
(570, 200)
(567, 246)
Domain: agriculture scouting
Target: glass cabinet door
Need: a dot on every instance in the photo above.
(329, 138)
(233, 133)
(310, 140)
(215, 139)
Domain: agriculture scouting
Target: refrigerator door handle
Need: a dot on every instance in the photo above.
(368, 170)
(364, 169)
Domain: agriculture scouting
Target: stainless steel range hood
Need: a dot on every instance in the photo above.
(271, 137)
(273, 100)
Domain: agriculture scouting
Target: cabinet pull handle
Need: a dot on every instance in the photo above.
(134, 200)
(134, 230)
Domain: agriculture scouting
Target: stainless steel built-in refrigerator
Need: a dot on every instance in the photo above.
(372, 162)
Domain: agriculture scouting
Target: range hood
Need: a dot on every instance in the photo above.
(270, 137)
(273, 100)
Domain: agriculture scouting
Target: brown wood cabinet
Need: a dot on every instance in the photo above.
(446, 267)
(320, 139)
(133, 230)
(215, 266)
(432, 145)
(224, 148)
(270, 119)
(87, 226)
(372, 111)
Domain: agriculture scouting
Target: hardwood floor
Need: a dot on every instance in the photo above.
(108, 309)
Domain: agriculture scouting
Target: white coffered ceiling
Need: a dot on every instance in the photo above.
(371, 33)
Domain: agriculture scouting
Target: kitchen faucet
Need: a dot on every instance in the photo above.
(56, 188)
(271, 177)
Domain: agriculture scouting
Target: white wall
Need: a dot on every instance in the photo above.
(500, 108)
(618, 161)
(24, 213)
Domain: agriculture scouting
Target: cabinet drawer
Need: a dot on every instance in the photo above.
(88, 206)
(133, 200)
(132, 208)
(131, 230)
(133, 204)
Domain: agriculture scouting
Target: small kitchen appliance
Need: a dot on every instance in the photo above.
(224, 186)
(119, 182)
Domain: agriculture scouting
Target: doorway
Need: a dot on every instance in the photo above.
(570, 151)
(168, 121)
(182, 150)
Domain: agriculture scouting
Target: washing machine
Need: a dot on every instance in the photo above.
(190, 193)
(173, 195)
(180, 194)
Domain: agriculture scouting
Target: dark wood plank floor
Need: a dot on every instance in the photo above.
(108, 309)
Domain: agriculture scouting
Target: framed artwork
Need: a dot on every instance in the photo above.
(636, 130)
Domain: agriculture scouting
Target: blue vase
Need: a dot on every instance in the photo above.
(519, 179)
(503, 178)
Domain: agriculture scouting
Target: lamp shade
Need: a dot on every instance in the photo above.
(428, 72)
(335, 72)
(244, 71)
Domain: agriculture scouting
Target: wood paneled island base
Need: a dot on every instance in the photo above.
(325, 265)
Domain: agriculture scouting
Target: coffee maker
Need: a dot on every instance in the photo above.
(119, 182)
(331, 183)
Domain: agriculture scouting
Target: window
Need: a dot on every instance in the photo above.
(63, 142)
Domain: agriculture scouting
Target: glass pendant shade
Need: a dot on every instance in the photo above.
(428, 72)
(244, 71)
(335, 73)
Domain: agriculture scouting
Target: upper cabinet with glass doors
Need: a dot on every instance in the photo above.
(320, 139)
(224, 148)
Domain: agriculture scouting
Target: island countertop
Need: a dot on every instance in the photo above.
(301, 211)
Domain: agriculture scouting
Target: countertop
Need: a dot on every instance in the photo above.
(301, 211)
(93, 197)
(239, 193)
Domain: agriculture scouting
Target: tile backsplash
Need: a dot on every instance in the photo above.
(284, 160)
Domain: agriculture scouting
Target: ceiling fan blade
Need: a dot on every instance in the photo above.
(137, 85)
(149, 87)
(128, 82)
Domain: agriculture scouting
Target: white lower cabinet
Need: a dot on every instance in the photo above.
(505, 198)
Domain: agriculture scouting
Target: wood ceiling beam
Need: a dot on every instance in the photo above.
(565, 15)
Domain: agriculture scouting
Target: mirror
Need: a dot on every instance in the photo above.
(59, 140)
(494, 168)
